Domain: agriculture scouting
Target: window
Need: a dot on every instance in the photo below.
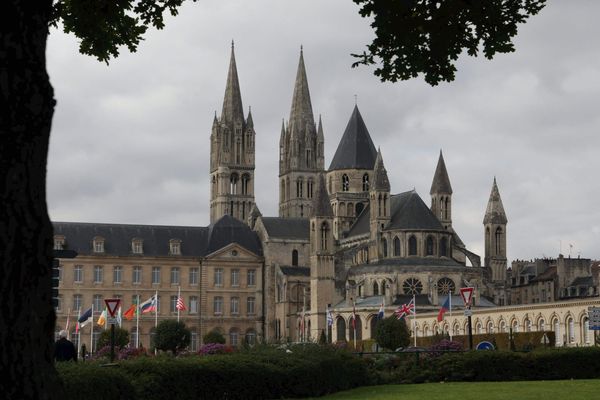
(251, 277)
(136, 277)
(173, 304)
(251, 337)
(98, 244)
(218, 276)
(498, 241)
(345, 183)
(365, 182)
(59, 301)
(233, 180)
(412, 286)
(174, 275)
(324, 232)
(396, 246)
(245, 180)
(430, 243)
(98, 302)
(98, 274)
(445, 286)
(78, 274)
(193, 305)
(443, 247)
(59, 242)
(309, 189)
(174, 247)
(118, 274)
(137, 246)
(234, 306)
(233, 337)
(299, 184)
(194, 341)
(77, 300)
(194, 276)
(295, 258)
(250, 305)
(155, 275)
(218, 305)
(412, 246)
(384, 247)
(235, 277)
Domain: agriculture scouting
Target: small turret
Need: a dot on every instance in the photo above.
(441, 194)
(494, 224)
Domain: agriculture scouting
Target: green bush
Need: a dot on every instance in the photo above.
(392, 333)
(121, 338)
(213, 337)
(172, 335)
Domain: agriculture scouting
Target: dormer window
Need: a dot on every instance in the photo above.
(175, 247)
(98, 244)
(137, 246)
(59, 242)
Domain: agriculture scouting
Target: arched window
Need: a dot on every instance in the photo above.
(585, 330)
(233, 181)
(358, 329)
(384, 247)
(345, 183)
(412, 286)
(245, 181)
(324, 232)
(396, 246)
(359, 207)
(570, 330)
(498, 241)
(349, 210)
(541, 325)
(375, 289)
(299, 187)
(295, 257)
(430, 244)
(373, 326)
(383, 288)
(309, 188)
(443, 247)
(341, 329)
(412, 246)
(445, 286)
(282, 197)
(556, 327)
(365, 182)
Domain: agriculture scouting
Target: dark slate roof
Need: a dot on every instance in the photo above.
(548, 275)
(356, 149)
(287, 228)
(195, 241)
(227, 230)
(117, 238)
(583, 281)
(409, 212)
(295, 271)
(322, 205)
(389, 265)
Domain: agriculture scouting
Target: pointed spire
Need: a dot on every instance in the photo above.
(321, 202)
(249, 122)
(320, 136)
(356, 149)
(301, 113)
(380, 178)
(495, 210)
(215, 120)
(232, 103)
(441, 182)
(282, 136)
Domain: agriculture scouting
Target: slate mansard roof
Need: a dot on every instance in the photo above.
(287, 228)
(408, 212)
(356, 149)
(195, 241)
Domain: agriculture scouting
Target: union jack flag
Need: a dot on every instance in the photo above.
(180, 304)
(405, 309)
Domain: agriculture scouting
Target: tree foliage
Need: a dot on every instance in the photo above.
(391, 333)
(171, 335)
(415, 37)
(213, 336)
(121, 338)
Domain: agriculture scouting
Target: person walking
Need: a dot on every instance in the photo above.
(64, 350)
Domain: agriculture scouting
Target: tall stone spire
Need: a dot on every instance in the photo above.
(380, 177)
(322, 206)
(301, 113)
(494, 214)
(233, 112)
(441, 182)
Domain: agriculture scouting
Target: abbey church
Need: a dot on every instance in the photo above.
(344, 241)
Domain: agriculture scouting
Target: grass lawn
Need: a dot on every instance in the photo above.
(542, 390)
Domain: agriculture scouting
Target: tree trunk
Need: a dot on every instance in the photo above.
(27, 317)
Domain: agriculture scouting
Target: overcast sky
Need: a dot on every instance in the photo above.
(130, 141)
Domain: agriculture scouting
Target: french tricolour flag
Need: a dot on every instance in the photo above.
(445, 307)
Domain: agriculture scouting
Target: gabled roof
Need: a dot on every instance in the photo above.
(228, 229)
(287, 228)
(356, 149)
(409, 212)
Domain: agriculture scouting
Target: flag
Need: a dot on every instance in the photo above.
(68, 318)
(102, 318)
(84, 319)
(131, 311)
(180, 304)
(405, 309)
(149, 305)
(381, 312)
(445, 307)
(119, 317)
(329, 317)
(353, 316)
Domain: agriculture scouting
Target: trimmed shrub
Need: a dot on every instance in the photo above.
(213, 337)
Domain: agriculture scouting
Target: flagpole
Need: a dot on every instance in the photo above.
(67, 324)
(354, 321)
(450, 303)
(78, 332)
(178, 297)
(415, 318)
(92, 332)
(156, 309)
(137, 321)
(327, 325)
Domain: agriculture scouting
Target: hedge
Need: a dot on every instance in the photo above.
(306, 371)
(521, 340)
